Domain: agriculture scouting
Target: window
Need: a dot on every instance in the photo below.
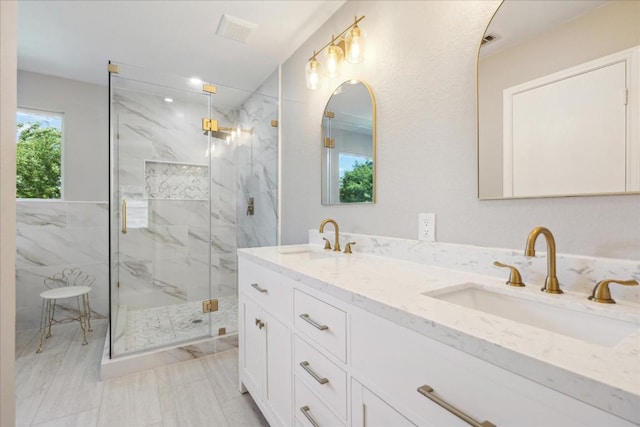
(356, 178)
(39, 155)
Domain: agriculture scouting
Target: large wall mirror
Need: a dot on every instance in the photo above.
(558, 99)
(349, 145)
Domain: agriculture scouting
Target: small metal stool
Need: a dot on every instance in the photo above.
(71, 283)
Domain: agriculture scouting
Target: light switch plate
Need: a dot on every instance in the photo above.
(427, 227)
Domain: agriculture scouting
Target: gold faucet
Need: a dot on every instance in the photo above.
(336, 246)
(551, 284)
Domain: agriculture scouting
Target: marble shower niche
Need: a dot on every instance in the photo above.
(180, 181)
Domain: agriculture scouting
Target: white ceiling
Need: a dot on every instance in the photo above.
(76, 39)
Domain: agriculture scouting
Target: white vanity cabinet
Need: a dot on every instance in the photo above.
(265, 341)
(368, 410)
(320, 361)
(395, 362)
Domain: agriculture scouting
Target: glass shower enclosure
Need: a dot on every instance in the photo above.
(185, 158)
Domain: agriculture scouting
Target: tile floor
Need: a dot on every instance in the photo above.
(61, 387)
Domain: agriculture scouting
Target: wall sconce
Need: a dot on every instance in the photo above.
(347, 45)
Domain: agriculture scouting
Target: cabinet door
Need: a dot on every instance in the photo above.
(278, 386)
(368, 410)
(252, 347)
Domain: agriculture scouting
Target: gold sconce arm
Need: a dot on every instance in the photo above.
(333, 39)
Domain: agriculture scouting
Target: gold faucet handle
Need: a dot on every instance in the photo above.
(347, 248)
(515, 279)
(327, 244)
(601, 291)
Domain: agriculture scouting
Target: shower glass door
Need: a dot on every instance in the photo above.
(160, 211)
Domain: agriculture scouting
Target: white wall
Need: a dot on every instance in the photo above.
(86, 130)
(421, 64)
(9, 59)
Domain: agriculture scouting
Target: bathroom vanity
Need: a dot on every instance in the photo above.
(334, 339)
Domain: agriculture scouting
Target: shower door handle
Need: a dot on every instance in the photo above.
(124, 216)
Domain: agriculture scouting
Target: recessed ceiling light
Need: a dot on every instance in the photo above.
(195, 81)
(168, 100)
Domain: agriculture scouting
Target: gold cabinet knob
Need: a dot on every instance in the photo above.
(601, 291)
(515, 279)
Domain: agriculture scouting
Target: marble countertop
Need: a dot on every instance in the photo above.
(605, 377)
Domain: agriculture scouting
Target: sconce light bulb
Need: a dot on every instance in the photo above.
(312, 71)
(334, 57)
(354, 46)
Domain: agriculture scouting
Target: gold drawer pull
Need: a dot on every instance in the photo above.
(306, 367)
(430, 394)
(306, 411)
(258, 288)
(313, 323)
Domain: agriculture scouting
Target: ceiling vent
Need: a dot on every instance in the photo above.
(488, 38)
(235, 28)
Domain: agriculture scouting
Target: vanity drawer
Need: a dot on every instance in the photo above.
(308, 405)
(322, 322)
(477, 388)
(322, 376)
(270, 290)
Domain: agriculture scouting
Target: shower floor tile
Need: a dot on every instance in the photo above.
(161, 326)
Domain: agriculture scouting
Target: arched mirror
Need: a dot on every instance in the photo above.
(349, 145)
(558, 99)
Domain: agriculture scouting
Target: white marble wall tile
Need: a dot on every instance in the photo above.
(187, 212)
(54, 235)
(82, 214)
(575, 273)
(52, 213)
(257, 159)
(135, 276)
(198, 243)
(53, 245)
(172, 276)
(198, 286)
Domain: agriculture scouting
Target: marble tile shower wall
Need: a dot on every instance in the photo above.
(257, 157)
(54, 235)
(162, 158)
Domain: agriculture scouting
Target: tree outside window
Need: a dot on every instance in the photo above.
(39, 155)
(356, 178)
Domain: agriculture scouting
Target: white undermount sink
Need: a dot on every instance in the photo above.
(583, 325)
(308, 253)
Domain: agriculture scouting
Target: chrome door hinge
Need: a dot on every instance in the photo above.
(209, 306)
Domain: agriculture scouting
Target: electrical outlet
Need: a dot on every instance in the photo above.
(427, 227)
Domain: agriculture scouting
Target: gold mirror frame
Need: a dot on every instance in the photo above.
(594, 40)
(346, 114)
